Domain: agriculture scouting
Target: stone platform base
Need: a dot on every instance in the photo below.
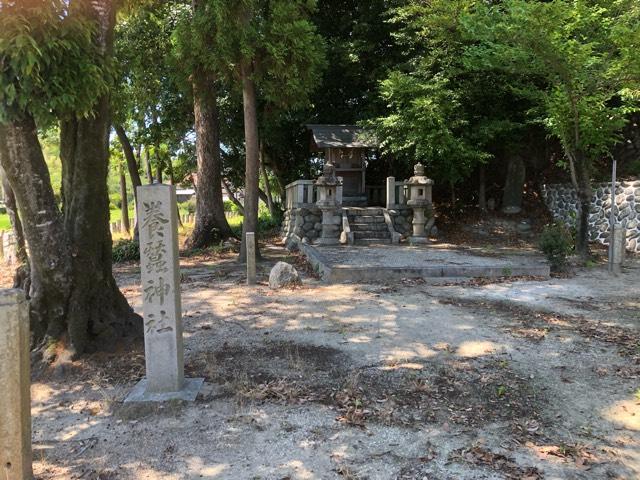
(418, 240)
(189, 393)
(390, 263)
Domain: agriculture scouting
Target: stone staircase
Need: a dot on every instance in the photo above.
(368, 225)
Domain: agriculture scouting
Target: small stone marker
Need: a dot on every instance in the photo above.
(15, 396)
(164, 354)
(618, 248)
(251, 258)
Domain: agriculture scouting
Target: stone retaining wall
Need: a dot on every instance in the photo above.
(306, 223)
(562, 201)
(402, 218)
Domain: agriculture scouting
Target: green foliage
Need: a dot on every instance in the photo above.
(189, 205)
(575, 59)
(438, 111)
(277, 39)
(115, 201)
(267, 224)
(231, 207)
(556, 242)
(126, 251)
(50, 63)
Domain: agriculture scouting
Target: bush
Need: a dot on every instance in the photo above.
(231, 207)
(115, 202)
(556, 242)
(190, 205)
(126, 251)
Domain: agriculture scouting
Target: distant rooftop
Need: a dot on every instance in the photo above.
(341, 136)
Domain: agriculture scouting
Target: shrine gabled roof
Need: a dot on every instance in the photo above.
(341, 136)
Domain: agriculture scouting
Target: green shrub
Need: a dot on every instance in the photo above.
(231, 207)
(190, 205)
(126, 251)
(115, 202)
(556, 242)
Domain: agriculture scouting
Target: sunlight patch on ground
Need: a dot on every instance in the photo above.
(474, 349)
(198, 467)
(625, 413)
(301, 471)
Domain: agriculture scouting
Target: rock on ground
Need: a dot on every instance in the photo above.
(283, 275)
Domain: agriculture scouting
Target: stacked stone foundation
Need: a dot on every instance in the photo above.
(306, 223)
(562, 202)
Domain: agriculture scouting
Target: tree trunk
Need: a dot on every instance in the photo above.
(169, 163)
(250, 223)
(98, 314)
(211, 222)
(50, 255)
(129, 155)
(132, 167)
(233, 197)
(147, 161)
(582, 183)
(124, 202)
(265, 178)
(159, 166)
(14, 217)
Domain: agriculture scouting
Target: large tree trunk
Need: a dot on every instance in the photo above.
(211, 222)
(50, 255)
(252, 147)
(98, 314)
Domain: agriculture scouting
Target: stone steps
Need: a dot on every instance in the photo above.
(373, 241)
(371, 235)
(369, 227)
(366, 219)
(367, 211)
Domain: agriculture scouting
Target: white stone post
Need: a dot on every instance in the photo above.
(340, 191)
(299, 193)
(160, 274)
(618, 239)
(15, 379)
(251, 258)
(401, 199)
(391, 192)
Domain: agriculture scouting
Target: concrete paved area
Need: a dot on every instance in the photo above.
(381, 263)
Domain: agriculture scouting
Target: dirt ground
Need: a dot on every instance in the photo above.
(520, 380)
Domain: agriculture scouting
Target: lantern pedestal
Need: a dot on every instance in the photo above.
(420, 199)
(329, 201)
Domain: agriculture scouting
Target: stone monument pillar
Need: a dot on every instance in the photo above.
(420, 200)
(15, 395)
(328, 187)
(160, 273)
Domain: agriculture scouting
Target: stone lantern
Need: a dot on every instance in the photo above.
(329, 189)
(420, 199)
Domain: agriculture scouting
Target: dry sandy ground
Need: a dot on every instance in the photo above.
(521, 380)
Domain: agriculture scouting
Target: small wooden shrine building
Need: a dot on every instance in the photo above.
(347, 147)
